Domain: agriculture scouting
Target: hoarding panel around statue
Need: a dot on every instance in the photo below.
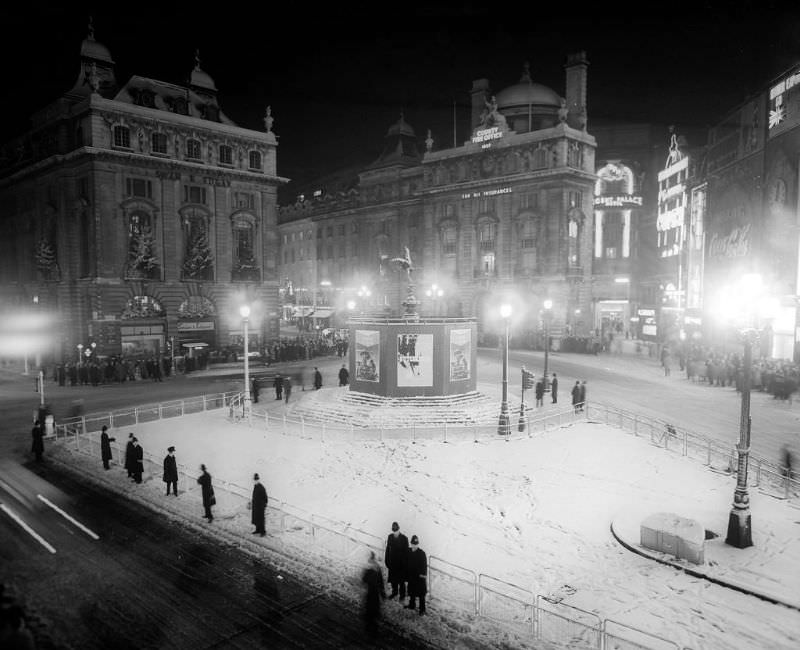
(368, 355)
(460, 354)
(415, 360)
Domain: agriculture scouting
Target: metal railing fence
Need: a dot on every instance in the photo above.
(763, 473)
(532, 616)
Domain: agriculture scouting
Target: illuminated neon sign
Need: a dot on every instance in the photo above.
(618, 201)
(777, 107)
(485, 135)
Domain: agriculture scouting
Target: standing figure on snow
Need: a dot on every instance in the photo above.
(105, 446)
(582, 397)
(417, 576)
(208, 493)
(317, 378)
(278, 386)
(344, 376)
(395, 559)
(576, 396)
(259, 506)
(554, 388)
(540, 393)
(171, 471)
(129, 456)
(372, 577)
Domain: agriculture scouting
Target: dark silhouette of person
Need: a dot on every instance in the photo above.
(287, 389)
(171, 471)
(278, 386)
(208, 493)
(395, 560)
(138, 461)
(259, 506)
(37, 446)
(317, 378)
(105, 446)
(554, 388)
(372, 577)
(344, 376)
(417, 567)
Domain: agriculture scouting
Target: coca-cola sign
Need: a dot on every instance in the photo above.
(734, 244)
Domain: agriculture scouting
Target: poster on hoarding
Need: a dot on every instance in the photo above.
(368, 355)
(415, 359)
(460, 344)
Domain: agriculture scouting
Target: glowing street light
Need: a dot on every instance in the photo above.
(503, 427)
(546, 317)
(244, 311)
(434, 293)
(80, 352)
(742, 304)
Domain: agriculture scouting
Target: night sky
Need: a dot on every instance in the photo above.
(338, 76)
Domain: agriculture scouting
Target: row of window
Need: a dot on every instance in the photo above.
(142, 188)
(193, 150)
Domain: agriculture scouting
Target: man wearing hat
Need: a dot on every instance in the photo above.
(417, 575)
(105, 446)
(171, 471)
(130, 456)
(138, 461)
(395, 560)
(259, 506)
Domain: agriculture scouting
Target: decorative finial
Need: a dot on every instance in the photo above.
(563, 111)
(429, 141)
(268, 119)
(90, 36)
(526, 71)
(197, 59)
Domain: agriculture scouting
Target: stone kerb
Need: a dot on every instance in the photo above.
(674, 535)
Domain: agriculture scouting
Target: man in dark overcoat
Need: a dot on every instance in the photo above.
(259, 506)
(540, 392)
(37, 446)
(138, 461)
(129, 456)
(255, 390)
(417, 567)
(171, 471)
(344, 375)
(317, 379)
(278, 385)
(582, 396)
(208, 493)
(576, 396)
(105, 446)
(395, 560)
(554, 388)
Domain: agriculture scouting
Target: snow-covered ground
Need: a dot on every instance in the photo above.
(534, 512)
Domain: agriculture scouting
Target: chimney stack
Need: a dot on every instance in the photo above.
(576, 67)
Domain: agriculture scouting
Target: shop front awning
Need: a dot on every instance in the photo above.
(321, 312)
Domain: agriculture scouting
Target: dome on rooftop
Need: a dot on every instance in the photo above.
(201, 79)
(527, 92)
(401, 127)
(91, 49)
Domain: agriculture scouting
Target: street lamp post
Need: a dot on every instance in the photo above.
(434, 293)
(739, 530)
(244, 310)
(80, 352)
(503, 427)
(548, 305)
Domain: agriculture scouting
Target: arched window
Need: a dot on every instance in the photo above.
(575, 221)
(142, 258)
(245, 265)
(255, 160)
(142, 307)
(448, 232)
(197, 257)
(196, 307)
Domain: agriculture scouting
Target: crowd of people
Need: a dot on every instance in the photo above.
(778, 377)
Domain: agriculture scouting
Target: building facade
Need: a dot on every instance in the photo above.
(508, 215)
(140, 216)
